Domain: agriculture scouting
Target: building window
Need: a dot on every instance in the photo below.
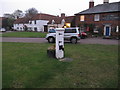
(30, 22)
(110, 17)
(70, 30)
(97, 17)
(53, 21)
(35, 28)
(35, 21)
(63, 21)
(82, 18)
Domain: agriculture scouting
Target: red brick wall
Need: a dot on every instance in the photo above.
(89, 19)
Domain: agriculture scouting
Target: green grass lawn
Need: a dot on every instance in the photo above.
(26, 65)
(0, 65)
(0, 34)
(25, 34)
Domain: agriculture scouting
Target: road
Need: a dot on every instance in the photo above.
(43, 40)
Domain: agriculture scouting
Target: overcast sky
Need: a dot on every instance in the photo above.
(53, 7)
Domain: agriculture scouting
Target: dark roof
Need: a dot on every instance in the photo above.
(102, 8)
(69, 19)
(58, 20)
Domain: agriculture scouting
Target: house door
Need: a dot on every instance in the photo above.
(107, 31)
(45, 28)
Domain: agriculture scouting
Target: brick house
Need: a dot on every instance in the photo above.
(103, 18)
(1, 22)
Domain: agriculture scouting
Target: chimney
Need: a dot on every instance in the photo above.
(63, 15)
(91, 4)
(105, 1)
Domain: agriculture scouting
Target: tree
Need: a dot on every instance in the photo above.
(31, 12)
(91, 26)
(17, 14)
(7, 23)
(7, 15)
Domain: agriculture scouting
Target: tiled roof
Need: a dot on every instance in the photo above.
(40, 16)
(59, 19)
(43, 16)
(21, 21)
(102, 8)
(69, 19)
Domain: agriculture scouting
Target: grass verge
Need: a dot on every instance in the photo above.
(25, 34)
(26, 65)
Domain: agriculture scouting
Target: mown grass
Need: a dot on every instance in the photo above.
(27, 65)
(0, 34)
(0, 65)
(25, 34)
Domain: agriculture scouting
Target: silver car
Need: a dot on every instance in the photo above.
(71, 34)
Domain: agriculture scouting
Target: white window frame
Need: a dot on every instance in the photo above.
(53, 21)
(97, 17)
(63, 21)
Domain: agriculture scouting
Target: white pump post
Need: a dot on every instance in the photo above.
(60, 43)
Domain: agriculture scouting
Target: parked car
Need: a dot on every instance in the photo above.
(71, 34)
(2, 30)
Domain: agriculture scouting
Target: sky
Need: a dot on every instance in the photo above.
(53, 7)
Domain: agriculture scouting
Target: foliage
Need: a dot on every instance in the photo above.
(17, 14)
(91, 26)
(25, 28)
(7, 23)
(31, 12)
(86, 25)
(27, 65)
(10, 18)
(7, 15)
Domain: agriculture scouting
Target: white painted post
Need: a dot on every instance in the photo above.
(59, 43)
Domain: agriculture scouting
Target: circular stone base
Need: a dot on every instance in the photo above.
(66, 59)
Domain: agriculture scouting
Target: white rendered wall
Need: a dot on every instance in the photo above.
(39, 25)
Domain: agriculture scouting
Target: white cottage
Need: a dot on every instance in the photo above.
(20, 24)
(36, 23)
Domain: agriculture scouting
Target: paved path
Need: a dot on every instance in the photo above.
(99, 41)
(43, 40)
(27, 40)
